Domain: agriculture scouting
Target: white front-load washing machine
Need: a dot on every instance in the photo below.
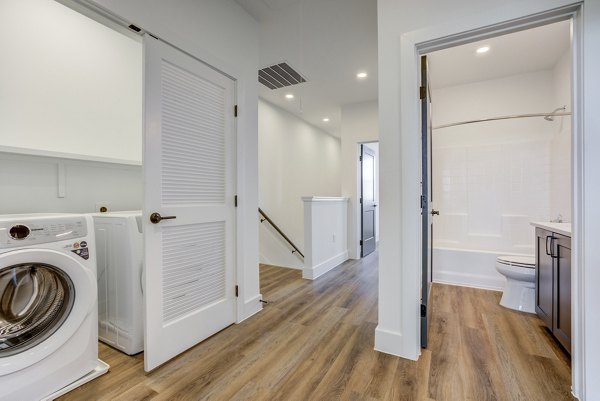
(48, 305)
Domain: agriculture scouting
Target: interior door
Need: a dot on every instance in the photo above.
(189, 211)
(426, 200)
(368, 201)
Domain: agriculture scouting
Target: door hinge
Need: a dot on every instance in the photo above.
(235, 111)
(360, 242)
(422, 92)
(235, 201)
(360, 200)
(423, 310)
(423, 202)
(237, 291)
(359, 158)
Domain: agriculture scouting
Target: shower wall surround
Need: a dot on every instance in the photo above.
(491, 179)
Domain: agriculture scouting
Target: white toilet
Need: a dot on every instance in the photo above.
(519, 292)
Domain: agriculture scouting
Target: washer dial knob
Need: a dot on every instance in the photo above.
(19, 231)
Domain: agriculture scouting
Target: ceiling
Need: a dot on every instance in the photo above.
(328, 42)
(516, 53)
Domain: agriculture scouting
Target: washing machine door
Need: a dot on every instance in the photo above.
(45, 295)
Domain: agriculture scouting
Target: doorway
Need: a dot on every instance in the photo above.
(497, 151)
(369, 197)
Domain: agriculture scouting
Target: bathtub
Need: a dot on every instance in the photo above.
(466, 267)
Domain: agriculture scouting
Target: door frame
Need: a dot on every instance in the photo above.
(246, 209)
(420, 42)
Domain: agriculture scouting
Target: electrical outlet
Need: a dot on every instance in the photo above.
(102, 207)
(333, 237)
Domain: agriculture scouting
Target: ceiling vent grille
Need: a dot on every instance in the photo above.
(279, 76)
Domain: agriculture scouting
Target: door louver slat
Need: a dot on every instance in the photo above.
(198, 279)
(192, 112)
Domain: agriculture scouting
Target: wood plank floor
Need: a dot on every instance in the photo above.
(314, 341)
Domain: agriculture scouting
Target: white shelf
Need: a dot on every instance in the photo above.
(70, 156)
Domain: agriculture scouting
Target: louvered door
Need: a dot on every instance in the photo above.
(188, 175)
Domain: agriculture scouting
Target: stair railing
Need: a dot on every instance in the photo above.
(264, 217)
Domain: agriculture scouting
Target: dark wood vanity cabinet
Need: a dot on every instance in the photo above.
(553, 283)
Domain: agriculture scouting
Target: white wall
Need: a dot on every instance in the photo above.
(359, 124)
(68, 83)
(223, 35)
(295, 160)
(401, 25)
(325, 222)
(560, 147)
(33, 184)
(491, 179)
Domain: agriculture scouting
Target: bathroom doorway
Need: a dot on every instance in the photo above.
(500, 165)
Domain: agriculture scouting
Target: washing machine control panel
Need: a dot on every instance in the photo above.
(31, 232)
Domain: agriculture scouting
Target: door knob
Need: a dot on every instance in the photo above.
(156, 218)
(435, 212)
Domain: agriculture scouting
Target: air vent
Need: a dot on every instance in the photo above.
(279, 76)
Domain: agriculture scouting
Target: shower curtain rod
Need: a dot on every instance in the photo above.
(504, 118)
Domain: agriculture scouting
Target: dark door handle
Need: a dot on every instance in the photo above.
(374, 205)
(156, 218)
(550, 252)
(435, 212)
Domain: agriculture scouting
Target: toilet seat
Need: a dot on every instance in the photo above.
(518, 261)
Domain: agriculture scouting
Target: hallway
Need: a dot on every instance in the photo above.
(314, 340)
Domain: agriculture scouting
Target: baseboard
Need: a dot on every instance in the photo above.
(263, 259)
(324, 267)
(390, 342)
(250, 308)
(285, 266)
(469, 280)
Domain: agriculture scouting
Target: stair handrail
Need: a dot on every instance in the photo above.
(285, 237)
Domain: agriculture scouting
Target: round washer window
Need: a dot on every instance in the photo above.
(35, 300)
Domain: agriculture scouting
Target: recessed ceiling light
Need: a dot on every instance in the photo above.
(361, 75)
(289, 96)
(483, 49)
(326, 120)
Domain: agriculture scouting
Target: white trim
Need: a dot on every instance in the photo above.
(250, 308)
(578, 286)
(468, 280)
(387, 341)
(323, 267)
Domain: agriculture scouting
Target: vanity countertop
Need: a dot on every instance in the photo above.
(560, 228)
